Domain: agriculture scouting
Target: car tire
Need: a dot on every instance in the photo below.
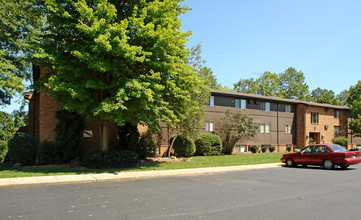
(290, 162)
(328, 164)
(344, 167)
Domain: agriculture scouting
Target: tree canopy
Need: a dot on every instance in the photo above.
(354, 102)
(20, 21)
(120, 61)
(236, 125)
(324, 96)
(290, 84)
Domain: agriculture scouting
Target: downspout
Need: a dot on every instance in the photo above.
(278, 130)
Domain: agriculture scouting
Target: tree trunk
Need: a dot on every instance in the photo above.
(104, 135)
(171, 145)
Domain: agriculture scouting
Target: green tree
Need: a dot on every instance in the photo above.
(236, 125)
(324, 96)
(245, 86)
(267, 84)
(7, 127)
(342, 97)
(20, 21)
(195, 60)
(354, 102)
(292, 84)
(120, 61)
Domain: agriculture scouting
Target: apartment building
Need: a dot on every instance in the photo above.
(282, 122)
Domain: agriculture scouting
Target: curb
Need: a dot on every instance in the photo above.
(127, 175)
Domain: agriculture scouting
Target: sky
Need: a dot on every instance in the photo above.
(242, 39)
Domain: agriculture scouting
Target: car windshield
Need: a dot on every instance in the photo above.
(337, 148)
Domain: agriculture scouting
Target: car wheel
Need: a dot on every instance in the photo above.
(290, 162)
(328, 165)
(344, 167)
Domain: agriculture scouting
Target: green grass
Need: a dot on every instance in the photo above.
(7, 171)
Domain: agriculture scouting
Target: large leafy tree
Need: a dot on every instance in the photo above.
(196, 61)
(354, 102)
(266, 84)
(292, 84)
(20, 21)
(324, 96)
(342, 97)
(236, 125)
(120, 61)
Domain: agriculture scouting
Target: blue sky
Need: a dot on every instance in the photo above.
(245, 38)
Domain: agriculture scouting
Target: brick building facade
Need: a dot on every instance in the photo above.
(283, 122)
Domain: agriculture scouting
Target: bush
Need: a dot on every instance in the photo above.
(147, 145)
(342, 141)
(69, 132)
(208, 144)
(272, 148)
(289, 148)
(50, 153)
(23, 150)
(184, 146)
(264, 149)
(3, 150)
(253, 148)
(110, 159)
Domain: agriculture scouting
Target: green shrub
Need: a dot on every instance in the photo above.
(184, 146)
(110, 159)
(23, 150)
(272, 148)
(342, 141)
(208, 144)
(3, 150)
(147, 145)
(253, 148)
(289, 148)
(264, 149)
(69, 132)
(50, 153)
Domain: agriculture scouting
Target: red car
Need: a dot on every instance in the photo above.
(326, 155)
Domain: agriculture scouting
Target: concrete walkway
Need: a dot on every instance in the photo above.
(126, 175)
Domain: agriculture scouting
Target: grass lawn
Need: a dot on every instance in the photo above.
(7, 171)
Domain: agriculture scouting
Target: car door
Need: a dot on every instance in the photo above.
(304, 155)
(318, 155)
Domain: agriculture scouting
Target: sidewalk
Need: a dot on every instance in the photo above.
(127, 175)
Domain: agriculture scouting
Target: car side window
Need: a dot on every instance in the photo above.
(307, 150)
(320, 149)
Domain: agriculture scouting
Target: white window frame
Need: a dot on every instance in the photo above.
(265, 128)
(240, 149)
(288, 129)
(287, 108)
(265, 106)
(337, 130)
(240, 103)
(211, 101)
(210, 126)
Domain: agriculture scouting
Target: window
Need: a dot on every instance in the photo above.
(337, 129)
(337, 114)
(314, 118)
(265, 128)
(288, 129)
(240, 148)
(288, 108)
(211, 101)
(240, 103)
(265, 106)
(326, 109)
(209, 126)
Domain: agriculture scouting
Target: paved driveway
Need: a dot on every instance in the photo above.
(274, 193)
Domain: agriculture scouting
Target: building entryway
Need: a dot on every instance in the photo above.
(315, 136)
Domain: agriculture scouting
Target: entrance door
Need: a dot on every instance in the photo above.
(315, 137)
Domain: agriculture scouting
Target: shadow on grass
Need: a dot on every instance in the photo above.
(7, 171)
